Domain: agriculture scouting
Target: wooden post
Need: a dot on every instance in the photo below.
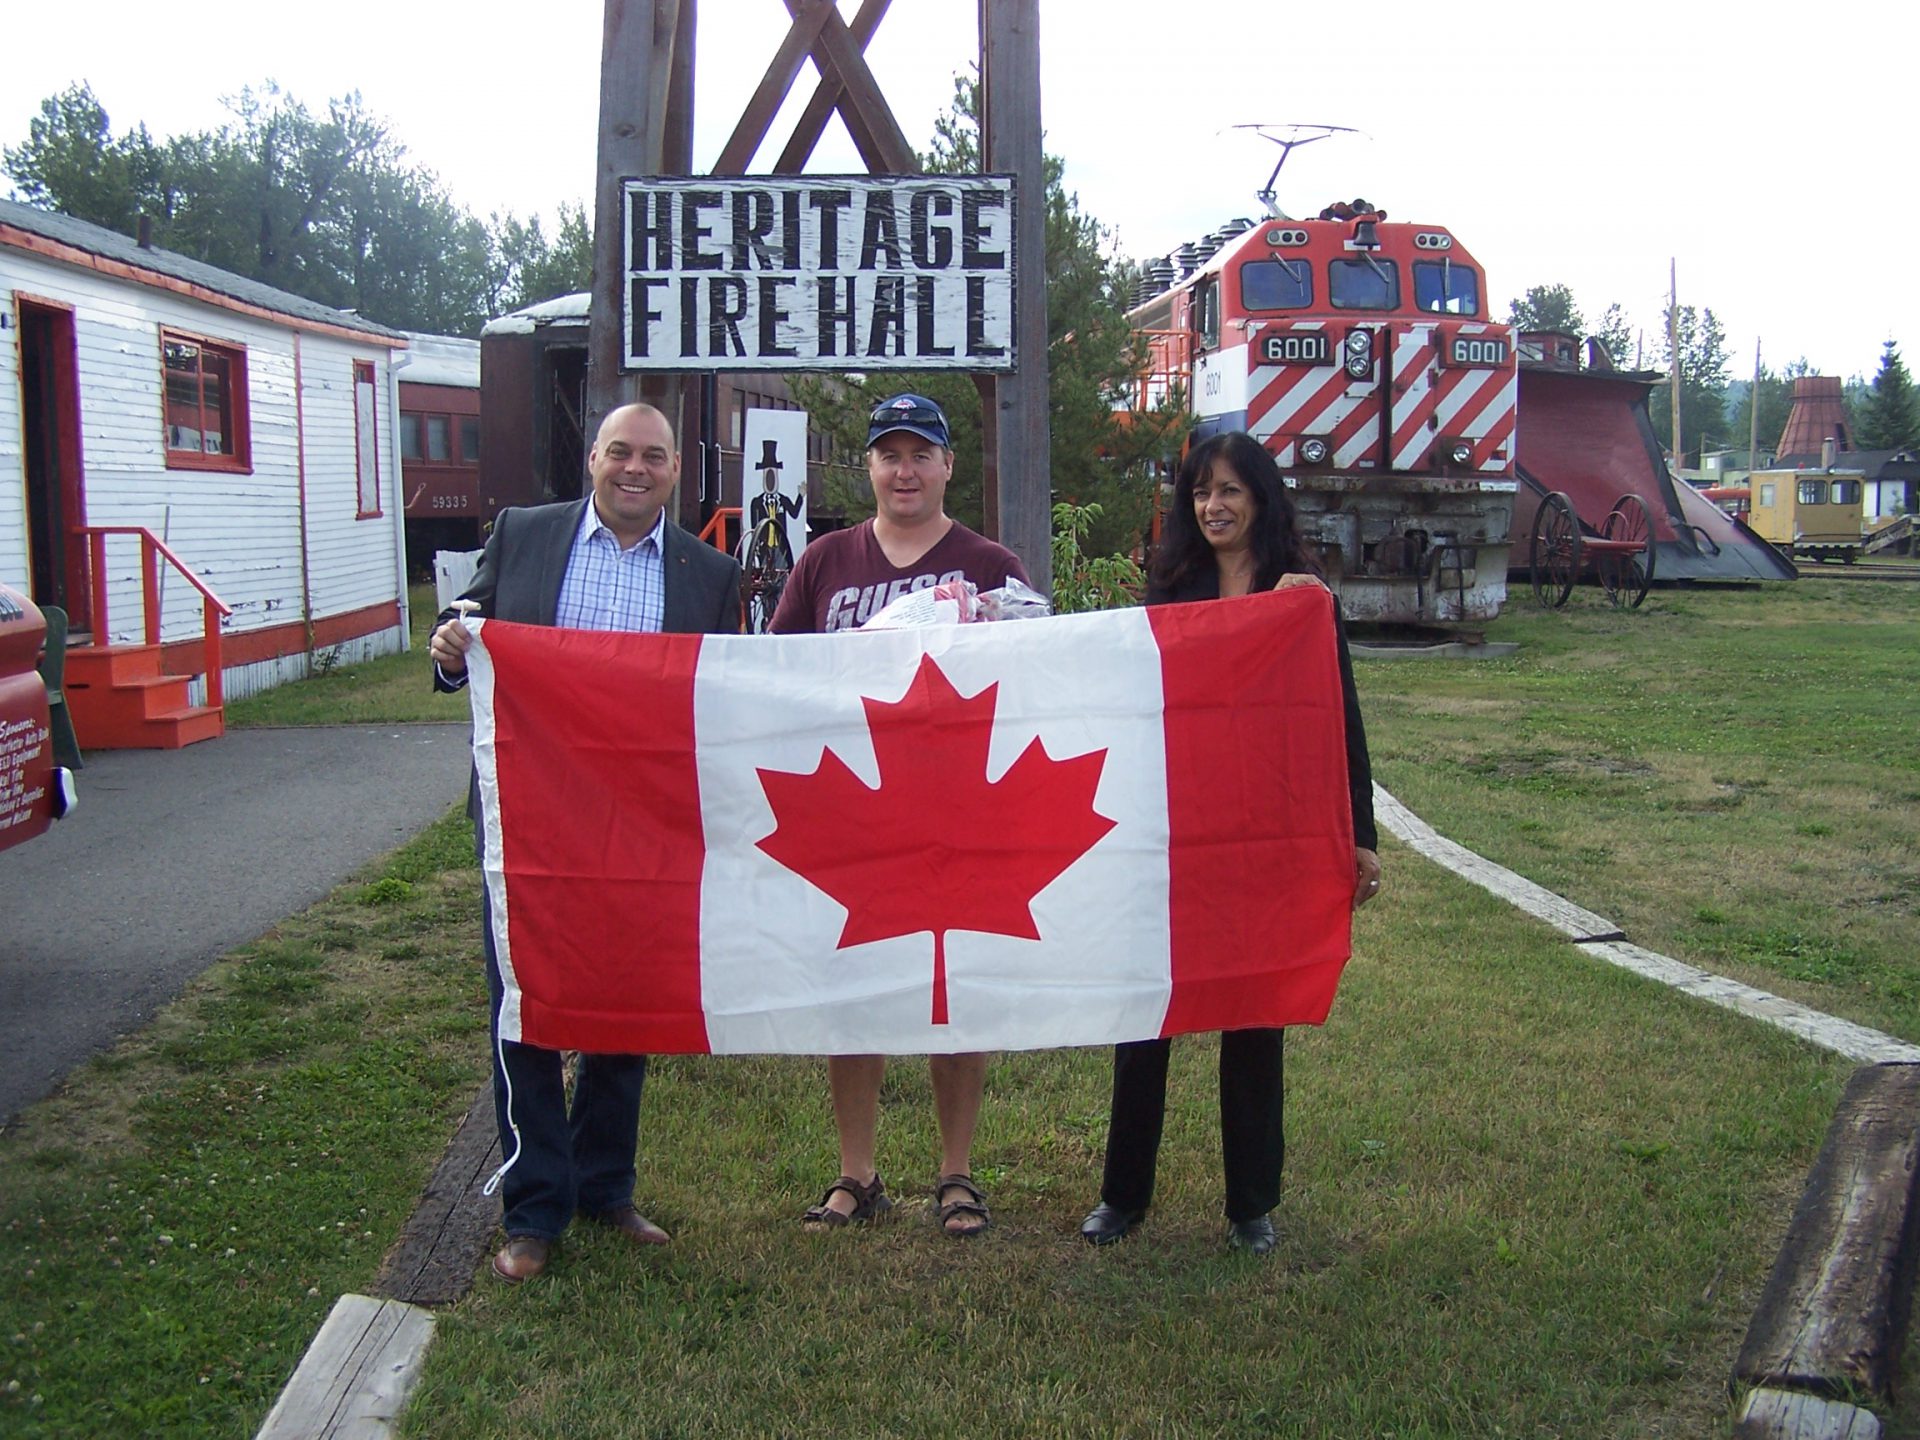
(1753, 416)
(637, 70)
(1010, 143)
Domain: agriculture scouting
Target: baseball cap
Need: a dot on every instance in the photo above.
(913, 413)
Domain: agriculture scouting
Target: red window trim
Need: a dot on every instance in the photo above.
(241, 461)
(373, 383)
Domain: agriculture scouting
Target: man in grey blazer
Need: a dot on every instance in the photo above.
(614, 561)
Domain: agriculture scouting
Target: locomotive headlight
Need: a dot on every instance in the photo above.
(1359, 342)
(1313, 452)
(1461, 452)
(1359, 366)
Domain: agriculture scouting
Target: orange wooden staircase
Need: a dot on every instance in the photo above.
(120, 696)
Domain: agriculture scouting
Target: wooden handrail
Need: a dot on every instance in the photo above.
(152, 550)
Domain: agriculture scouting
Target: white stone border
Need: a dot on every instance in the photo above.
(1600, 937)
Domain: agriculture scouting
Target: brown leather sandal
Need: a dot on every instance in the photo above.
(870, 1201)
(975, 1204)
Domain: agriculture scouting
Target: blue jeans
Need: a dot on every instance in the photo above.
(569, 1161)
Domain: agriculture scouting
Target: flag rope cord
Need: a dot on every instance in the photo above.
(513, 1125)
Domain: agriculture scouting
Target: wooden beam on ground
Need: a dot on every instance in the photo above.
(354, 1380)
(1779, 1415)
(1011, 143)
(826, 97)
(432, 1263)
(737, 154)
(1831, 1320)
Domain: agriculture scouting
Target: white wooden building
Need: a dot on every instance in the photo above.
(248, 432)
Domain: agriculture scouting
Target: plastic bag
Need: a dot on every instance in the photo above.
(959, 602)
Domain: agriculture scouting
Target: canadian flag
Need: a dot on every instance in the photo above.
(1067, 831)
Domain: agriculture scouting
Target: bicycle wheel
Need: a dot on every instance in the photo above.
(765, 576)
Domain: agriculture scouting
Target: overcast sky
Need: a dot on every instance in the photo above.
(1584, 145)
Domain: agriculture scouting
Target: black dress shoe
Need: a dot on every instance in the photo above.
(1108, 1223)
(1255, 1236)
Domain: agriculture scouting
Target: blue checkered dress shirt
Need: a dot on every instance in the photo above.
(607, 588)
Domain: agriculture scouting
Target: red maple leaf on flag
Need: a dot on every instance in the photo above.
(937, 846)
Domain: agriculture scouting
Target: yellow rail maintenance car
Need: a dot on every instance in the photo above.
(1808, 514)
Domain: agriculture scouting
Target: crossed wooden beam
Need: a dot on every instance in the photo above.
(846, 85)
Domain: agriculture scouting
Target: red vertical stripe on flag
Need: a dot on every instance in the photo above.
(1258, 809)
(601, 836)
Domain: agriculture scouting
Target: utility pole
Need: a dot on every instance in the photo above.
(1019, 429)
(1673, 350)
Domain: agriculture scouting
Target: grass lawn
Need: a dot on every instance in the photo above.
(393, 689)
(1526, 1195)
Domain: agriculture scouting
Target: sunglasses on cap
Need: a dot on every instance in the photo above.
(890, 414)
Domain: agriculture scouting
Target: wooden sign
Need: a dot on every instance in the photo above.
(819, 272)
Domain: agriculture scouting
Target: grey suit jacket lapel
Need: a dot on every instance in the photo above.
(555, 551)
(680, 614)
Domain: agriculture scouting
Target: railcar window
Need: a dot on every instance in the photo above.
(1369, 284)
(1276, 285)
(1445, 288)
(409, 435)
(439, 439)
(1766, 496)
(1846, 492)
(470, 439)
(1813, 492)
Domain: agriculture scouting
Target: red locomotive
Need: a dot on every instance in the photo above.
(1362, 354)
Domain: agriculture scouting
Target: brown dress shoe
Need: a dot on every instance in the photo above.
(632, 1224)
(523, 1258)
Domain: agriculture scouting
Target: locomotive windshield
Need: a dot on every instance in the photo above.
(1446, 288)
(1367, 284)
(1276, 285)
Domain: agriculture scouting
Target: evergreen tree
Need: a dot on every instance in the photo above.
(1888, 417)
(531, 268)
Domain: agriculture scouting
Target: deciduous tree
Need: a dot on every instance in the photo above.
(1547, 307)
(324, 205)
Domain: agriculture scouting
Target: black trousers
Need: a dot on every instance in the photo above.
(1252, 1132)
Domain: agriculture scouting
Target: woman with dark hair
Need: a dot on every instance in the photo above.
(1231, 530)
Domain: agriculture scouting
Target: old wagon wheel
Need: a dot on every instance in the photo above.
(1626, 574)
(1555, 550)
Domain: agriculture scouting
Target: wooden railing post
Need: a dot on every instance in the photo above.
(150, 587)
(210, 650)
(97, 585)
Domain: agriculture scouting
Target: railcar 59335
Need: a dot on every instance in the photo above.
(1362, 355)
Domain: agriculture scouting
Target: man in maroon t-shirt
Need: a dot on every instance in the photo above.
(840, 582)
